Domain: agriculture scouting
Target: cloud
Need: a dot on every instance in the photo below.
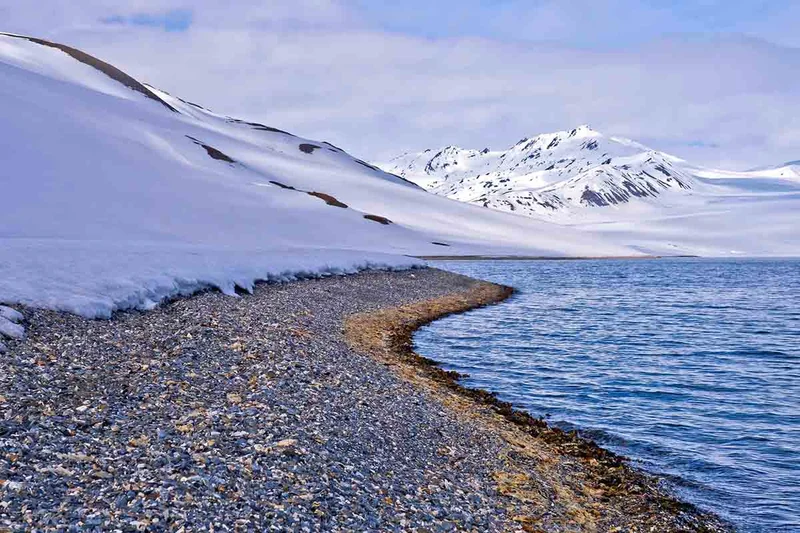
(324, 70)
(587, 22)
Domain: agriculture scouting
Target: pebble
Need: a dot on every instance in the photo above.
(193, 414)
(252, 414)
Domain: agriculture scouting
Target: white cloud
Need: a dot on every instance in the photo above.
(314, 67)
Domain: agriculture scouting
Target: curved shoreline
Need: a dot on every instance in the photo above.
(619, 495)
(256, 412)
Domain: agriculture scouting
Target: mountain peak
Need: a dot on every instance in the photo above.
(584, 130)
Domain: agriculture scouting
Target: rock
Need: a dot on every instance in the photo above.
(11, 314)
(12, 486)
(60, 471)
(234, 398)
(11, 329)
(140, 441)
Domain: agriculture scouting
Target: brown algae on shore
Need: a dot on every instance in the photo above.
(557, 476)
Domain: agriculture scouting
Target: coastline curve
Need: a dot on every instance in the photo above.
(559, 477)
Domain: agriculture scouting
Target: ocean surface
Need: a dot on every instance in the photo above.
(690, 367)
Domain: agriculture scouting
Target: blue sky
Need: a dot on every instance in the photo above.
(176, 20)
(713, 82)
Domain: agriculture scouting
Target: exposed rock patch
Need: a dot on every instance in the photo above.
(308, 148)
(109, 70)
(379, 219)
(282, 186)
(213, 152)
(328, 199)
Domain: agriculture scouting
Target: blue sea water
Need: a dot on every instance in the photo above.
(690, 367)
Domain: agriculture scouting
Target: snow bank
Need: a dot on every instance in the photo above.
(9, 325)
(10, 314)
(10, 329)
(96, 279)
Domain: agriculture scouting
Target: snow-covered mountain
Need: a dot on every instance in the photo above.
(115, 194)
(788, 170)
(623, 190)
(549, 174)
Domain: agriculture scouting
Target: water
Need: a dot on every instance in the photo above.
(690, 367)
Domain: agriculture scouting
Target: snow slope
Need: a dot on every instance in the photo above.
(116, 195)
(621, 190)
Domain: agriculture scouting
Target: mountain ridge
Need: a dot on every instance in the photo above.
(617, 188)
(548, 173)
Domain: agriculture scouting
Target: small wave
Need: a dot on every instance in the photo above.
(688, 368)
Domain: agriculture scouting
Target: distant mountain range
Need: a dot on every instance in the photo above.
(572, 175)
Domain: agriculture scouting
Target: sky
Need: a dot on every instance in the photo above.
(715, 82)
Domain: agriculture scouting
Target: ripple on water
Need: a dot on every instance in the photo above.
(689, 367)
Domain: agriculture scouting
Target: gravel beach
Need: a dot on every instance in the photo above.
(254, 413)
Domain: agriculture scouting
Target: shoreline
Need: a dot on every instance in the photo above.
(388, 336)
(256, 412)
(547, 258)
